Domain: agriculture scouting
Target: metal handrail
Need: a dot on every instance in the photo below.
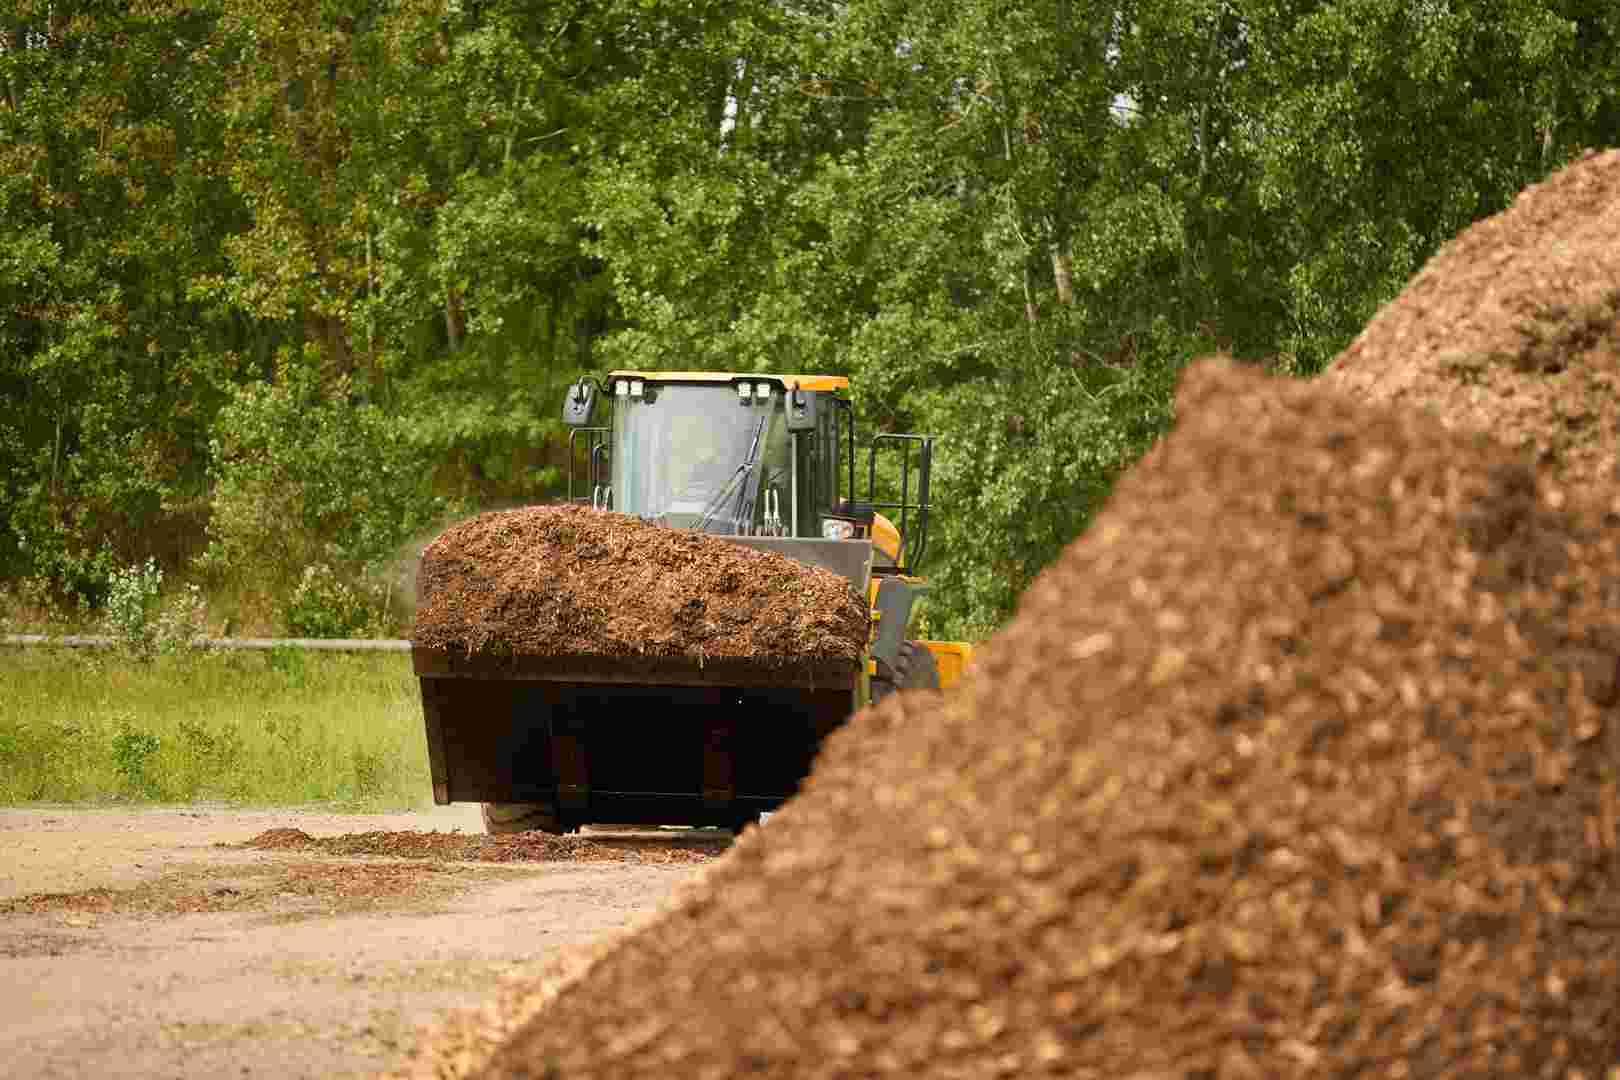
(596, 444)
(916, 545)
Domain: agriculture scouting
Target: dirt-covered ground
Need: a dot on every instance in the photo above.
(211, 941)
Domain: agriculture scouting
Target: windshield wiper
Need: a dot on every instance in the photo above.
(739, 484)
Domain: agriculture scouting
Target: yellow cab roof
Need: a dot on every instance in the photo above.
(803, 382)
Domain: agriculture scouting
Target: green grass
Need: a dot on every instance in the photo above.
(249, 727)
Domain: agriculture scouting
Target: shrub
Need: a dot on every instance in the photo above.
(132, 597)
(144, 625)
(132, 749)
(324, 605)
(289, 662)
(181, 620)
(211, 757)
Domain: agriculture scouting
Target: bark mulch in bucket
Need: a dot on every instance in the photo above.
(1514, 327)
(1300, 762)
(572, 581)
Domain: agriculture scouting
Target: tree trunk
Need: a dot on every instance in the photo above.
(1062, 248)
(735, 90)
(373, 369)
(1063, 274)
(455, 319)
(333, 338)
(512, 125)
(1210, 76)
(56, 455)
(553, 316)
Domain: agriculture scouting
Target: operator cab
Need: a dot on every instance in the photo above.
(742, 455)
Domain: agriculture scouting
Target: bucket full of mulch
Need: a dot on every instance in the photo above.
(571, 581)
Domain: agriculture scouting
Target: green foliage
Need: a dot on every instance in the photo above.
(324, 605)
(1388, 127)
(1028, 461)
(145, 624)
(108, 204)
(132, 749)
(216, 757)
(182, 618)
(132, 600)
(304, 479)
(370, 772)
(289, 662)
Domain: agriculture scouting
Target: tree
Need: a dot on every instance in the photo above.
(108, 371)
(1382, 128)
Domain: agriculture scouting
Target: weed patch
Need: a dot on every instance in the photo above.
(268, 729)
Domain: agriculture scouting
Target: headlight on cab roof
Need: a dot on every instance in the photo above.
(833, 529)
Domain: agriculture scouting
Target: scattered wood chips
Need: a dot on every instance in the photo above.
(518, 847)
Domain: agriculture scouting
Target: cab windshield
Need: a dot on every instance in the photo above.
(688, 457)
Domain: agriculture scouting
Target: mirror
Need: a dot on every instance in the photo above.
(579, 403)
(801, 410)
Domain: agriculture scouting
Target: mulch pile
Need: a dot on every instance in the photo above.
(572, 581)
(1301, 761)
(1514, 327)
(518, 847)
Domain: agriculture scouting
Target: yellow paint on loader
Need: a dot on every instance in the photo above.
(952, 658)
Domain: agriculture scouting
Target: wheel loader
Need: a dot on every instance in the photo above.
(767, 461)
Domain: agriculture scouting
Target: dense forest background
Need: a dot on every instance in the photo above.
(282, 283)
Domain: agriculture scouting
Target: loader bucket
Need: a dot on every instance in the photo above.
(638, 739)
(649, 742)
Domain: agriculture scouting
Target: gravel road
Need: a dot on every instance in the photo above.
(156, 943)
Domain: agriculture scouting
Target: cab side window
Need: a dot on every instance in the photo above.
(829, 449)
(776, 461)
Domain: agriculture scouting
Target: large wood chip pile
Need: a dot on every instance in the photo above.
(1301, 761)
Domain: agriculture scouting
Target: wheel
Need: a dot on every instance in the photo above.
(501, 819)
(914, 669)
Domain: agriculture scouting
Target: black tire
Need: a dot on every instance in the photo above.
(503, 819)
(914, 669)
